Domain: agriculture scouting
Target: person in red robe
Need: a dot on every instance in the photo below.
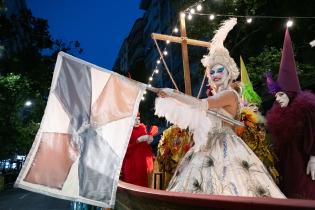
(138, 161)
(291, 122)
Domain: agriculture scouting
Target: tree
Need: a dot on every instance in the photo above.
(260, 42)
(26, 71)
(14, 118)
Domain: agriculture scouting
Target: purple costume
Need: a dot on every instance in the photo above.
(293, 132)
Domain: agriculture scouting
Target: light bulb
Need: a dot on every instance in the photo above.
(28, 103)
(249, 20)
(199, 7)
(211, 17)
(289, 23)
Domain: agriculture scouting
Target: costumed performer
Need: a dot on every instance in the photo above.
(254, 132)
(173, 145)
(219, 163)
(291, 122)
(138, 162)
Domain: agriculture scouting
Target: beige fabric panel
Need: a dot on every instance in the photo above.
(53, 160)
(116, 101)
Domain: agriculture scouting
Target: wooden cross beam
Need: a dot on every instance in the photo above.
(184, 41)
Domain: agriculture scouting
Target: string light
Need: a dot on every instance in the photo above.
(28, 103)
(249, 20)
(198, 6)
(289, 23)
(258, 16)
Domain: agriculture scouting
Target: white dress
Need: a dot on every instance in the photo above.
(222, 164)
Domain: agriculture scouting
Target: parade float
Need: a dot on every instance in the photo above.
(82, 140)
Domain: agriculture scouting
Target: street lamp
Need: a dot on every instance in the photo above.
(28, 103)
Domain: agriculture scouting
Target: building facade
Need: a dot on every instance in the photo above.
(138, 54)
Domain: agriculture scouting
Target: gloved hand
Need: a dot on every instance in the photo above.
(188, 100)
(310, 169)
(166, 92)
(147, 138)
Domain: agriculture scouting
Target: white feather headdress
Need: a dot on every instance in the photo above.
(218, 54)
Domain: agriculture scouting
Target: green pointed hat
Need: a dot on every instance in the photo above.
(248, 93)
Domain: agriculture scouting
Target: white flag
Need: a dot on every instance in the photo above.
(78, 150)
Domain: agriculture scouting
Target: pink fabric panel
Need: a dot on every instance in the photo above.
(115, 102)
(53, 160)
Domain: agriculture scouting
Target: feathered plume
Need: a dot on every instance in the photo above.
(222, 32)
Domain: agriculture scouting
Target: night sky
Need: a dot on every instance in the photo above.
(100, 26)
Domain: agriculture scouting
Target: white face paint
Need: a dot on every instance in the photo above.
(137, 122)
(282, 99)
(218, 74)
(253, 107)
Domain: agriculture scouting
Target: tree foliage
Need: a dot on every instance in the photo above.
(26, 69)
(260, 42)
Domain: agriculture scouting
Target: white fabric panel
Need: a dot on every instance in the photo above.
(99, 80)
(71, 186)
(115, 133)
(56, 119)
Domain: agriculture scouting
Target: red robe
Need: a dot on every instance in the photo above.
(138, 161)
(293, 132)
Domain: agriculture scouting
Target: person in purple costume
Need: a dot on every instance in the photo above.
(291, 122)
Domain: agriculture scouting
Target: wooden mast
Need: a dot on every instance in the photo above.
(184, 41)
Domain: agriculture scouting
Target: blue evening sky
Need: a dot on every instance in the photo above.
(100, 26)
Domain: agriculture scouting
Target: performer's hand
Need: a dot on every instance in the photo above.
(150, 140)
(146, 138)
(165, 92)
(310, 169)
